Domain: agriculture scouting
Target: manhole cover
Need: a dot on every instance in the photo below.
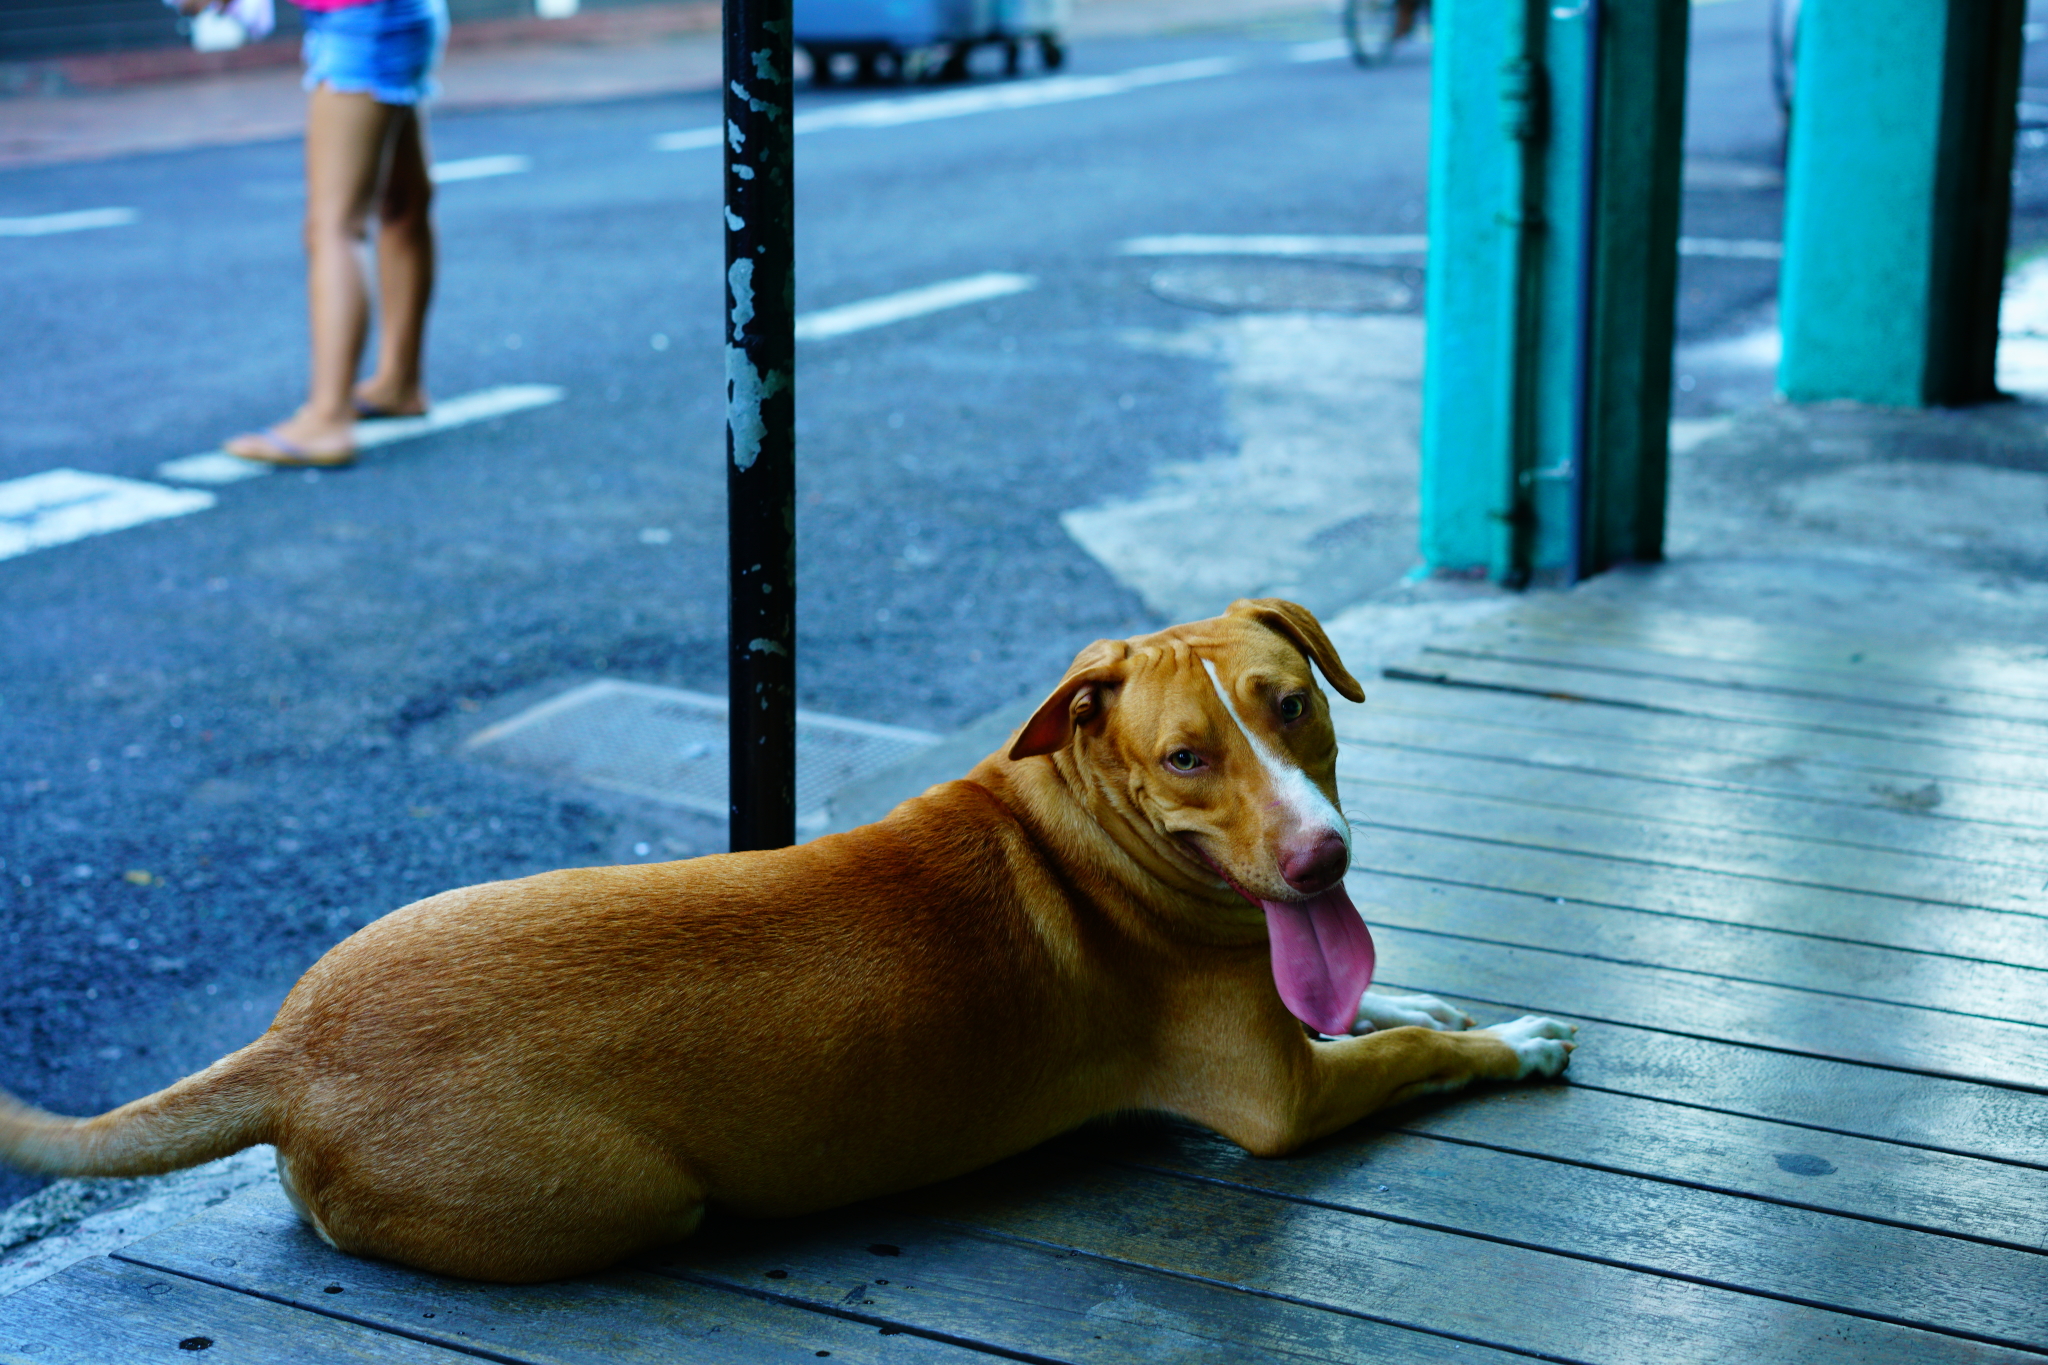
(669, 745)
(1265, 286)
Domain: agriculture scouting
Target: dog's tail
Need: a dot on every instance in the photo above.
(218, 1111)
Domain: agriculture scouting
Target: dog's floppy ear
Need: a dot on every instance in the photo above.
(1076, 699)
(1300, 626)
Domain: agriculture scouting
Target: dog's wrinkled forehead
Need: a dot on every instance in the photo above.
(1258, 645)
(1230, 647)
(1183, 684)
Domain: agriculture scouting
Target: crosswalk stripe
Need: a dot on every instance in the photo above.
(479, 168)
(893, 112)
(62, 505)
(78, 220)
(219, 467)
(910, 303)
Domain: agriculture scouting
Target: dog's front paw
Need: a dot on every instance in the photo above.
(1542, 1047)
(1376, 1012)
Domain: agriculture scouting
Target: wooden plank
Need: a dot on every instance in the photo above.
(1763, 858)
(1834, 1172)
(1989, 668)
(1760, 672)
(1801, 1022)
(1800, 773)
(1852, 917)
(1514, 1297)
(1726, 811)
(1939, 1283)
(1943, 1115)
(1957, 985)
(1825, 715)
(100, 1311)
(256, 1245)
(1035, 1302)
(1899, 761)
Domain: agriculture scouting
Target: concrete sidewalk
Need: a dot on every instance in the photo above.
(149, 103)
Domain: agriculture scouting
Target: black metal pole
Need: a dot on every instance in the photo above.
(760, 423)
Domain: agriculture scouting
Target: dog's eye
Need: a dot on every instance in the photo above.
(1183, 760)
(1291, 708)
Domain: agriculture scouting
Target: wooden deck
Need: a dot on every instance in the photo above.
(1795, 890)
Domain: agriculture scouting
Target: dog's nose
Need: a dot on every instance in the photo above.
(1317, 865)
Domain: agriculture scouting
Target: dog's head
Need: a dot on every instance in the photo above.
(1213, 743)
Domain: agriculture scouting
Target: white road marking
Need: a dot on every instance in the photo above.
(1733, 249)
(689, 139)
(479, 168)
(218, 467)
(1328, 49)
(911, 303)
(213, 467)
(1271, 244)
(1399, 244)
(1712, 173)
(891, 113)
(63, 505)
(43, 225)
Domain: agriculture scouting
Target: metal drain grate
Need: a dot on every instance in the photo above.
(669, 745)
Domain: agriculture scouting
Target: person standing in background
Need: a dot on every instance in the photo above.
(369, 68)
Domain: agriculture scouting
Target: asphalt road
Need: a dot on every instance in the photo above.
(229, 738)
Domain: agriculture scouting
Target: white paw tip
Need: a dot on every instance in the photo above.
(1543, 1047)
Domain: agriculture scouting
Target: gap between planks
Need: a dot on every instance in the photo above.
(1720, 811)
(1485, 824)
(1689, 642)
(1708, 948)
(1661, 696)
(1752, 745)
(1984, 935)
(1877, 689)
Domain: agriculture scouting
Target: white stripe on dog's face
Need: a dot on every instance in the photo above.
(1303, 798)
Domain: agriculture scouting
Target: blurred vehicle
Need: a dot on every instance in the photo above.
(895, 40)
(1372, 27)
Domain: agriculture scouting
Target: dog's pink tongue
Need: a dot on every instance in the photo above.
(1322, 958)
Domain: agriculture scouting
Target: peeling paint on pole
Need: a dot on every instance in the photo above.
(739, 278)
(747, 391)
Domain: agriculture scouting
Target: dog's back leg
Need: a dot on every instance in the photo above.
(516, 1204)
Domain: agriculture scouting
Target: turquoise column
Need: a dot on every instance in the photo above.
(1471, 449)
(1898, 200)
(1554, 182)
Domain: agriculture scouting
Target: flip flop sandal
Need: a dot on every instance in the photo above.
(267, 447)
(370, 412)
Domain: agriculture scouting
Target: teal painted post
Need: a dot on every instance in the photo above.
(1553, 240)
(1899, 197)
(1640, 161)
(1470, 371)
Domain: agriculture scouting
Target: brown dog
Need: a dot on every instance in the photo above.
(534, 1078)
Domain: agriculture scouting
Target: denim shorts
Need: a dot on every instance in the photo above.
(388, 48)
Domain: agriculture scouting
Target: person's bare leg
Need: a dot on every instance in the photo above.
(405, 271)
(347, 137)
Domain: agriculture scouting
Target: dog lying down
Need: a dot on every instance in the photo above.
(1137, 906)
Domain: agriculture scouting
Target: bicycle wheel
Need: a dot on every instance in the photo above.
(1784, 52)
(1369, 29)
